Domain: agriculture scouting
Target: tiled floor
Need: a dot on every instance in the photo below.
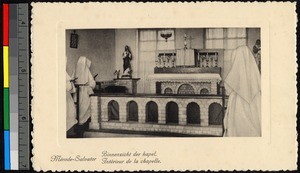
(105, 135)
(123, 133)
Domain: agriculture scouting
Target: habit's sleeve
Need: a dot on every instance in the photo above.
(69, 85)
(91, 82)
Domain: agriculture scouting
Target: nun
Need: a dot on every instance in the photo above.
(86, 84)
(71, 110)
(243, 114)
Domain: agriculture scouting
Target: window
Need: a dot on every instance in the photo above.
(227, 39)
(150, 42)
(161, 42)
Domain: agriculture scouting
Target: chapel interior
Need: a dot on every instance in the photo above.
(176, 81)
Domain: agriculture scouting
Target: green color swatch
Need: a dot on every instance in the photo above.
(6, 108)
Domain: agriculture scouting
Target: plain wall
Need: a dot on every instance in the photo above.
(96, 45)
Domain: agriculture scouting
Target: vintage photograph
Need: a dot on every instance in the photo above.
(163, 82)
(184, 86)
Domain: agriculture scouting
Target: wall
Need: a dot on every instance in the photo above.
(198, 40)
(105, 47)
(189, 130)
(125, 37)
(253, 34)
(197, 37)
(96, 45)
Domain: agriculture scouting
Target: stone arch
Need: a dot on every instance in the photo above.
(186, 89)
(172, 112)
(172, 86)
(215, 114)
(206, 85)
(168, 91)
(193, 113)
(204, 91)
(113, 110)
(151, 112)
(132, 111)
(210, 101)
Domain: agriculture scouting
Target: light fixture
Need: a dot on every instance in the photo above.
(166, 33)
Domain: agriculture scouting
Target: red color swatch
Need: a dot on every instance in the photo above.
(5, 24)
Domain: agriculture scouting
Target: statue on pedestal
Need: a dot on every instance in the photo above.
(127, 57)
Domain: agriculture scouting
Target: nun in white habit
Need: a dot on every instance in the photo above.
(71, 110)
(243, 114)
(87, 83)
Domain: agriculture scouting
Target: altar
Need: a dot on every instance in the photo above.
(186, 84)
(118, 85)
(185, 96)
(129, 83)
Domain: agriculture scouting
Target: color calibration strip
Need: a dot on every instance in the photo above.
(6, 86)
(16, 87)
(13, 85)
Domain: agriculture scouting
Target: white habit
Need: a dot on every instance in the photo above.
(71, 110)
(84, 77)
(243, 114)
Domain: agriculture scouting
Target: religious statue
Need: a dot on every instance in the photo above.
(127, 57)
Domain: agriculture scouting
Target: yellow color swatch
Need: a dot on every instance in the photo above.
(5, 67)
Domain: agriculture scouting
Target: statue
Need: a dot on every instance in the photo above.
(127, 57)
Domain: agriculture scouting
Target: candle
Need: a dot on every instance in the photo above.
(185, 40)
